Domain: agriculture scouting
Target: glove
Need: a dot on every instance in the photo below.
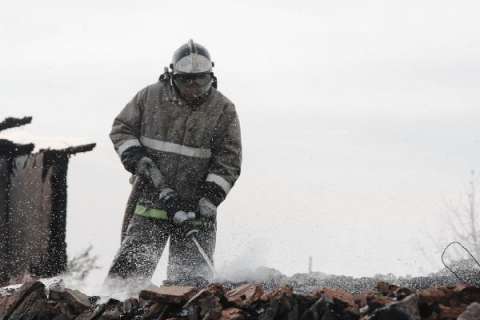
(148, 170)
(131, 156)
(207, 209)
(181, 216)
(169, 201)
(176, 209)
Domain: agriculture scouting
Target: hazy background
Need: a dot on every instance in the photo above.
(359, 118)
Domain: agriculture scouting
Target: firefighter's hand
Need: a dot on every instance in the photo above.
(182, 216)
(169, 201)
(177, 210)
(148, 170)
(207, 209)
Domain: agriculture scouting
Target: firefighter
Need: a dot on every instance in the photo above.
(180, 138)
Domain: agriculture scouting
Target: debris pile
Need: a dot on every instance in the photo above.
(35, 300)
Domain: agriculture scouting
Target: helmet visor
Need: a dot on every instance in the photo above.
(198, 79)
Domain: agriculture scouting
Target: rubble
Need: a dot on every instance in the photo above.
(232, 314)
(74, 299)
(168, 294)
(406, 309)
(245, 295)
(384, 301)
(472, 312)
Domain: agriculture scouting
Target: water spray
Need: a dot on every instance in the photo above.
(191, 234)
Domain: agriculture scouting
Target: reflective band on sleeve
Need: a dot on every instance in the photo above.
(166, 146)
(219, 180)
(151, 212)
(127, 144)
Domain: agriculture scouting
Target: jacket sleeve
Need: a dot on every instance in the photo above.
(126, 130)
(225, 165)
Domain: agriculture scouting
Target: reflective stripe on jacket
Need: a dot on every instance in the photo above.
(190, 145)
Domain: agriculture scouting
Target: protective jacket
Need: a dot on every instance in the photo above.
(197, 148)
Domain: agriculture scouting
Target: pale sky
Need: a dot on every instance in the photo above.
(359, 118)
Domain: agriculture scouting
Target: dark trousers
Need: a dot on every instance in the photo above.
(145, 240)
